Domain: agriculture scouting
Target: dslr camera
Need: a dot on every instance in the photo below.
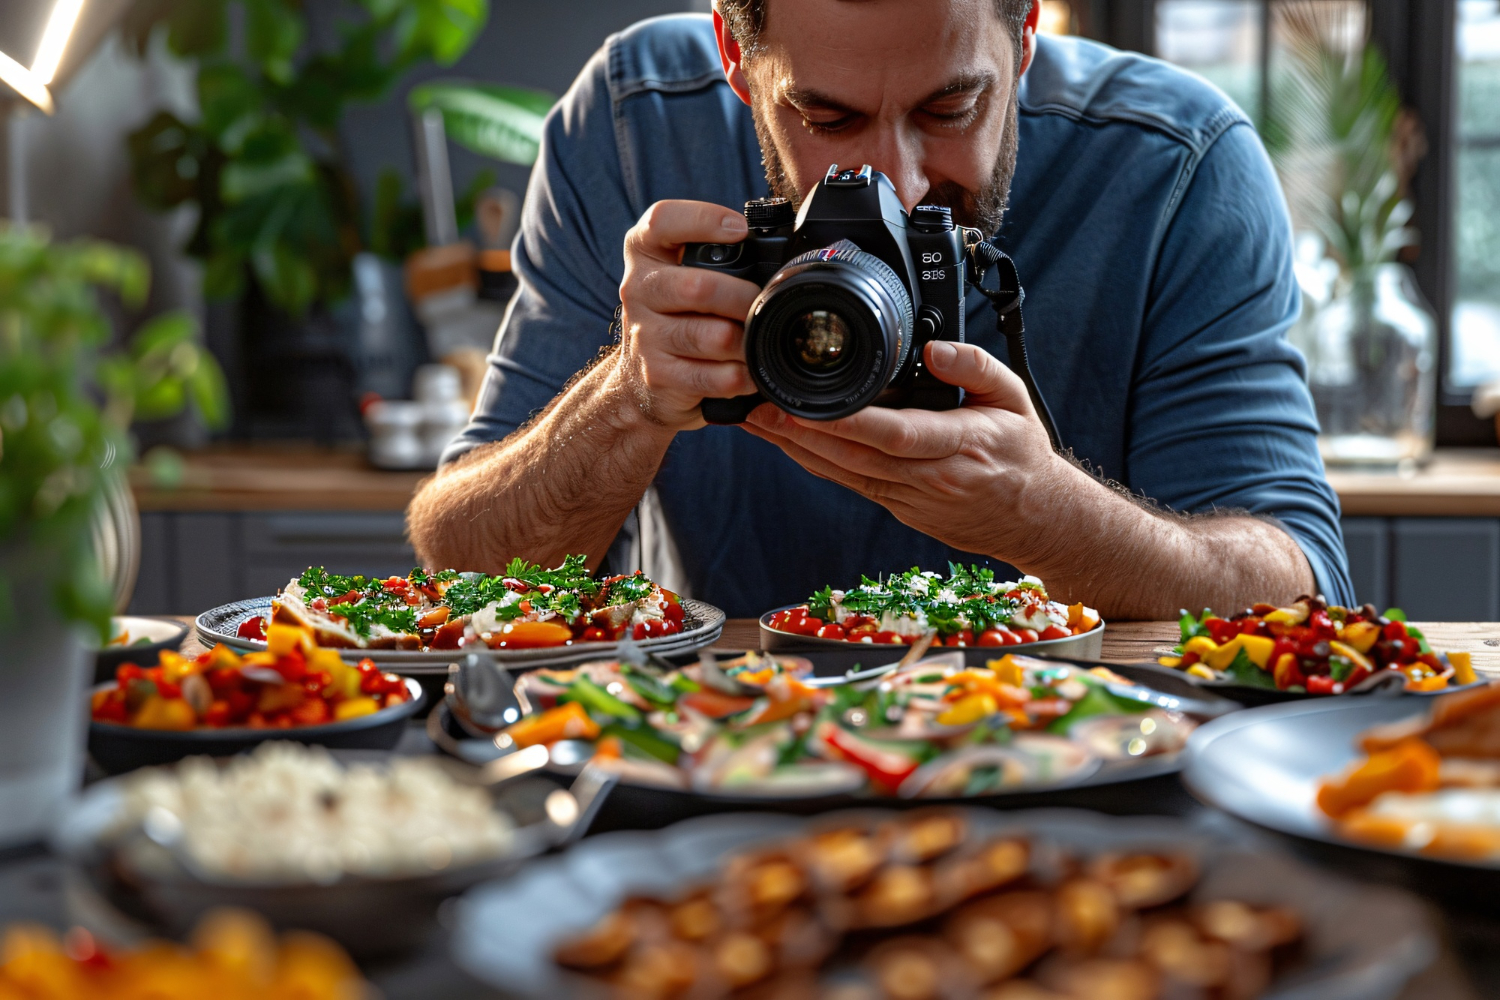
(852, 289)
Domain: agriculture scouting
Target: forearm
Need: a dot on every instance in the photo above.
(1132, 562)
(562, 484)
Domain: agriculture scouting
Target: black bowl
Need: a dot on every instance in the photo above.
(118, 748)
(166, 633)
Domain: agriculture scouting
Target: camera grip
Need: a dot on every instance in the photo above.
(730, 411)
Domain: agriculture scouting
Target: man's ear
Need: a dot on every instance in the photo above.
(1028, 34)
(731, 58)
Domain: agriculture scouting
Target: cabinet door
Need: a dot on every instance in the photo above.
(280, 546)
(1447, 569)
(1367, 540)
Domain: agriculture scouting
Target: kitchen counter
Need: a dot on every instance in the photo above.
(1458, 482)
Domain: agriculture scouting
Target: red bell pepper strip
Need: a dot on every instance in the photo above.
(887, 764)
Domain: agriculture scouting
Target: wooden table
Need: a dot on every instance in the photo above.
(1135, 642)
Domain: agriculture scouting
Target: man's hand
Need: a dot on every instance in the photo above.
(683, 339)
(979, 478)
(984, 478)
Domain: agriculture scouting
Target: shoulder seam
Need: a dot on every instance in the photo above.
(1198, 140)
(699, 82)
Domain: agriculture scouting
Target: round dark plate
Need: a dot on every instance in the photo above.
(702, 624)
(117, 748)
(1264, 765)
(1089, 645)
(1363, 943)
(161, 633)
(371, 917)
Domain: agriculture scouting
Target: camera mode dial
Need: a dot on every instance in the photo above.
(932, 218)
(769, 213)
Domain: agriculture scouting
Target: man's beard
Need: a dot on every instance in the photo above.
(983, 209)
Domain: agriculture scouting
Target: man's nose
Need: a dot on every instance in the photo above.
(899, 157)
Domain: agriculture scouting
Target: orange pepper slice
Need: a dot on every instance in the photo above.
(1409, 766)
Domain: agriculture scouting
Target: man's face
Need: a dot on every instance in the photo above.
(922, 90)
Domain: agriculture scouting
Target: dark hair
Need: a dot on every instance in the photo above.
(746, 18)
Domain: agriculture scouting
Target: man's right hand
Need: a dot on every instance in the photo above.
(683, 337)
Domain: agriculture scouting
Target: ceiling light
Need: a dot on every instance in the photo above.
(55, 39)
(24, 82)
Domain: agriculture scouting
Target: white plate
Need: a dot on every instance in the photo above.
(702, 624)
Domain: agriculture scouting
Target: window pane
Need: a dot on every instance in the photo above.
(1475, 355)
(1217, 39)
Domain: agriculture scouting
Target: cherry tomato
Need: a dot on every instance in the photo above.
(1026, 634)
(1054, 632)
(991, 637)
(218, 714)
(595, 634)
(1323, 684)
(887, 638)
(252, 628)
(1394, 631)
(963, 637)
(832, 631)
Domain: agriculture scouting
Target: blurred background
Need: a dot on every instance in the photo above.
(325, 192)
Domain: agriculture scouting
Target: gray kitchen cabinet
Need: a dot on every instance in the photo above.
(192, 561)
(1433, 568)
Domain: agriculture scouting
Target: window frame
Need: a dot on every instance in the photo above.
(1418, 39)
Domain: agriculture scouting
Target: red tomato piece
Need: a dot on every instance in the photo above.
(832, 632)
(1323, 684)
(1054, 632)
(991, 637)
(252, 628)
(1026, 635)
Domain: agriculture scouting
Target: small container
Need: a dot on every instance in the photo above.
(394, 426)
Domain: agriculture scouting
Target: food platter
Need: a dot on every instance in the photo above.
(702, 624)
(1085, 646)
(1361, 943)
(1265, 765)
(119, 748)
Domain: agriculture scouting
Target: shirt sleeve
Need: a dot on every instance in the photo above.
(1220, 416)
(567, 259)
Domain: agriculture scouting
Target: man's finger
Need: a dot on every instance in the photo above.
(667, 225)
(853, 456)
(673, 290)
(907, 434)
(876, 489)
(985, 381)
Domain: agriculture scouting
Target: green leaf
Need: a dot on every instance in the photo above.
(497, 121)
(1394, 614)
(1244, 671)
(197, 27)
(243, 180)
(273, 34)
(441, 30)
(1096, 701)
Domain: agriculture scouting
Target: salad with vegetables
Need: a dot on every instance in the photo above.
(1312, 647)
(762, 725)
(526, 607)
(294, 682)
(968, 607)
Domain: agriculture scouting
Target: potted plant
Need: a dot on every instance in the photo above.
(65, 407)
(279, 217)
(1345, 150)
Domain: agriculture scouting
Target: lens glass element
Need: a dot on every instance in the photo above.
(820, 337)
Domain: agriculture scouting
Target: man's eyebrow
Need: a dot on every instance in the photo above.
(807, 97)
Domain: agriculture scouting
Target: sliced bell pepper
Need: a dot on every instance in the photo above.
(568, 721)
(887, 764)
(1409, 766)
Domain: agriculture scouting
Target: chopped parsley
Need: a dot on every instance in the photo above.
(968, 598)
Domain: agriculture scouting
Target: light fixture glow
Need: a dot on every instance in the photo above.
(55, 39)
(21, 80)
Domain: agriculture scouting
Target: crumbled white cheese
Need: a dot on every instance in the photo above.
(294, 589)
(903, 624)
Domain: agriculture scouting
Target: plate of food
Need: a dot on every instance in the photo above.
(1312, 649)
(967, 608)
(222, 702)
(763, 729)
(527, 615)
(359, 845)
(936, 904)
(1406, 788)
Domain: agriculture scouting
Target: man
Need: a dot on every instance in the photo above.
(1149, 232)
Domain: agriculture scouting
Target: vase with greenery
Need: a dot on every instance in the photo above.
(66, 404)
(1345, 150)
(279, 216)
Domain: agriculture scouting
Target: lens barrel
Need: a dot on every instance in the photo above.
(829, 332)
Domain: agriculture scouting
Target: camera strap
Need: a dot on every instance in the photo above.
(1009, 322)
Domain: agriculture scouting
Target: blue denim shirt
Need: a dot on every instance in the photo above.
(1150, 234)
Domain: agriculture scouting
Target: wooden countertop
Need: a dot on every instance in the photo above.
(1134, 642)
(1457, 483)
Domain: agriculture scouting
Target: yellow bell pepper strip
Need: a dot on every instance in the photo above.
(568, 721)
(1288, 673)
(1257, 647)
(887, 764)
(354, 708)
(786, 697)
(1463, 668)
(165, 713)
(1202, 645)
(1362, 636)
(1201, 672)
(969, 709)
(1409, 766)
(1172, 662)
(1008, 670)
(1420, 678)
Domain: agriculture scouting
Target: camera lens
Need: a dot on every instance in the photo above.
(820, 337)
(829, 332)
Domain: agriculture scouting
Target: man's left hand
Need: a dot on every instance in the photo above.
(982, 478)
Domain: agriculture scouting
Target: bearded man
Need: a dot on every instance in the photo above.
(1150, 235)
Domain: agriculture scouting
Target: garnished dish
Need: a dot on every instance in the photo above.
(289, 813)
(924, 906)
(233, 954)
(968, 607)
(294, 682)
(526, 607)
(759, 726)
(1312, 647)
(1430, 783)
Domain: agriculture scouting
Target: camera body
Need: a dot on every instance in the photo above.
(852, 289)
